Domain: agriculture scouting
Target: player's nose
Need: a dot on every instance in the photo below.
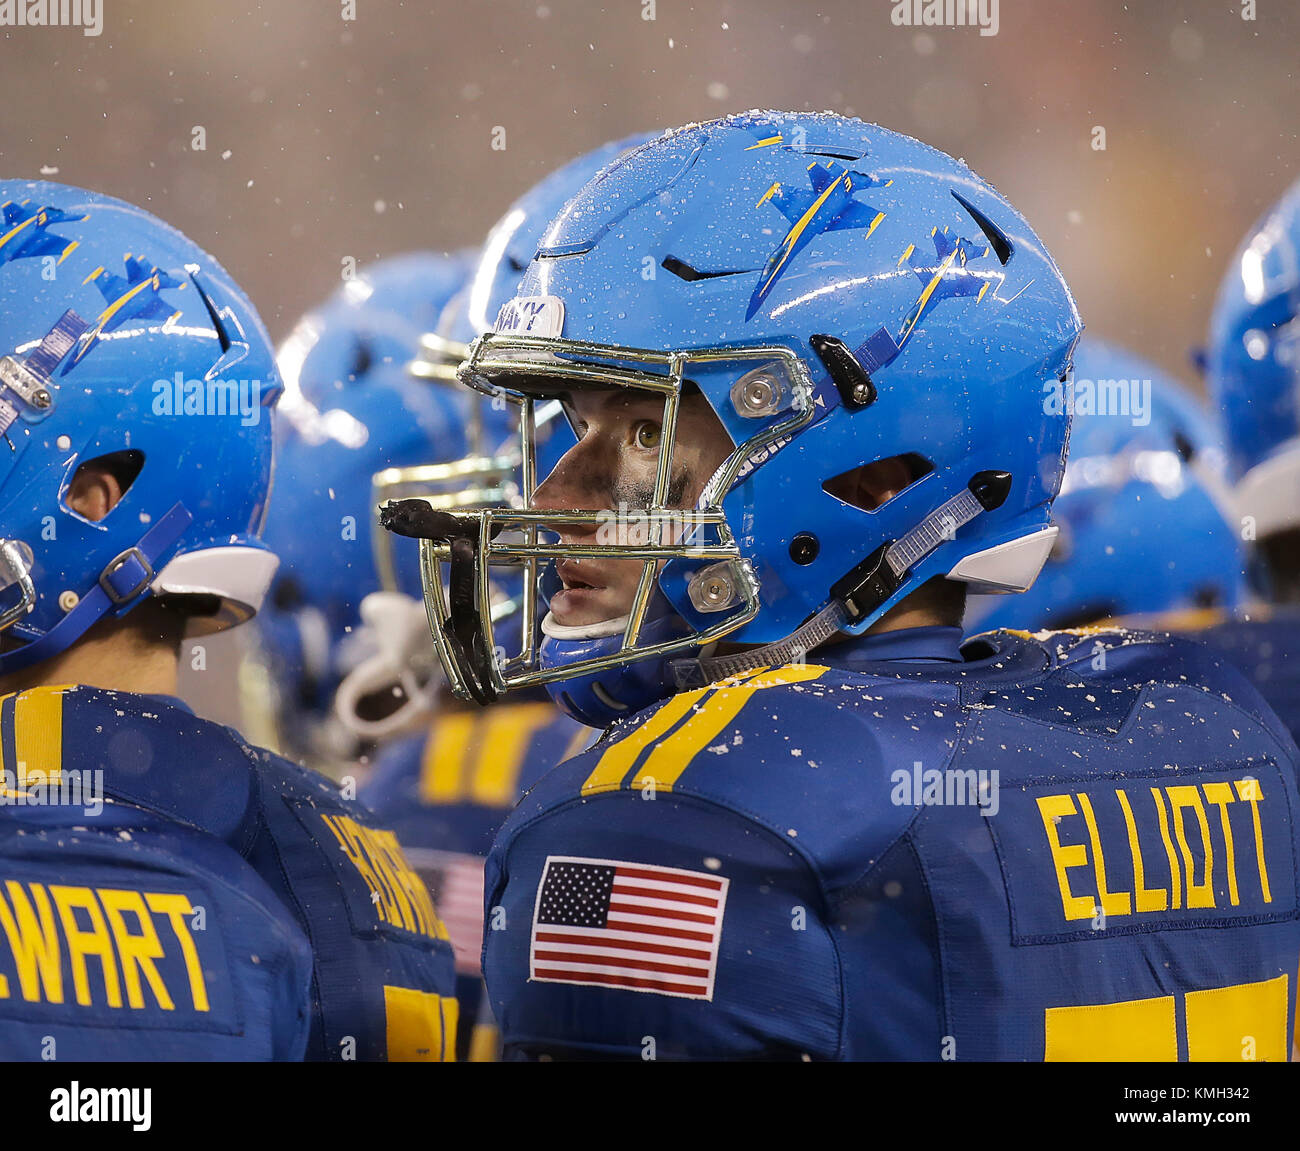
(582, 480)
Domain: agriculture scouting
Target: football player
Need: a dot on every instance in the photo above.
(446, 791)
(1253, 374)
(350, 410)
(138, 386)
(1141, 511)
(811, 364)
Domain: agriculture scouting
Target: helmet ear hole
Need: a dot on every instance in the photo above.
(1207, 595)
(98, 485)
(362, 359)
(872, 485)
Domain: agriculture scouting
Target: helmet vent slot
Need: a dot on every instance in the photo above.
(223, 337)
(833, 153)
(684, 271)
(996, 237)
(872, 485)
(362, 359)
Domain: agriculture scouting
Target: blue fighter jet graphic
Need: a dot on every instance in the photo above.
(135, 297)
(947, 277)
(24, 231)
(829, 205)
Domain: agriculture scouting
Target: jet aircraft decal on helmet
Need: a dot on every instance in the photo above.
(949, 278)
(25, 232)
(134, 298)
(829, 206)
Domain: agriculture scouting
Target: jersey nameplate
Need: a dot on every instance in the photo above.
(133, 951)
(382, 890)
(1183, 848)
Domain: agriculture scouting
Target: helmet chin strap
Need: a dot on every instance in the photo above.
(864, 589)
(125, 579)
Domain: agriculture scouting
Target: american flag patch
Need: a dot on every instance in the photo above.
(610, 923)
(455, 881)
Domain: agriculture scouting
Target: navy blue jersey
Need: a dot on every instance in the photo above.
(383, 982)
(446, 793)
(1063, 847)
(125, 935)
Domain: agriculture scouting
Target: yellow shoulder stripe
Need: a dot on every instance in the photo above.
(477, 757)
(671, 755)
(37, 734)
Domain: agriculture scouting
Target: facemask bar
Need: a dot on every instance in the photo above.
(474, 481)
(481, 478)
(437, 361)
(438, 358)
(27, 393)
(495, 366)
(16, 570)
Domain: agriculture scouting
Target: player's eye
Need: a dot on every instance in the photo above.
(646, 435)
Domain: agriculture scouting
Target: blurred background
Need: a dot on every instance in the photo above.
(328, 139)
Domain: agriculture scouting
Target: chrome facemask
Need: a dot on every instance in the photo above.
(16, 571)
(769, 386)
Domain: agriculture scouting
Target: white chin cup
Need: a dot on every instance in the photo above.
(238, 576)
(1011, 566)
(395, 628)
(556, 630)
(1270, 493)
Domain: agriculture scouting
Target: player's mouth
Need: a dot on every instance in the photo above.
(577, 576)
(585, 595)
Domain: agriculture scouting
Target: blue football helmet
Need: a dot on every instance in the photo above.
(122, 339)
(1141, 508)
(1253, 368)
(840, 294)
(351, 410)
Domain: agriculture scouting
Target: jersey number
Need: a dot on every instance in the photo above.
(1246, 1021)
(421, 1025)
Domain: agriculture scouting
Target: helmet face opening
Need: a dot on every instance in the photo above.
(692, 568)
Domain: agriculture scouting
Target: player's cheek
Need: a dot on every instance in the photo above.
(635, 483)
